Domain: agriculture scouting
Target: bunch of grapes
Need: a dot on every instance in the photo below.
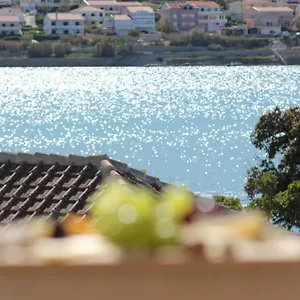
(134, 218)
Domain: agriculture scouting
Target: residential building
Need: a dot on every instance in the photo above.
(109, 6)
(10, 25)
(11, 11)
(5, 3)
(238, 8)
(90, 14)
(205, 15)
(58, 3)
(29, 5)
(143, 18)
(122, 24)
(63, 23)
(269, 20)
(123, 6)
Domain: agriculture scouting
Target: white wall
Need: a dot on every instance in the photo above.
(60, 28)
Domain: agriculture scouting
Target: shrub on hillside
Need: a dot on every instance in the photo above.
(231, 202)
(62, 49)
(46, 37)
(39, 49)
(133, 33)
(103, 50)
(215, 47)
(12, 38)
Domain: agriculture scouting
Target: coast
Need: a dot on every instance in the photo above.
(155, 57)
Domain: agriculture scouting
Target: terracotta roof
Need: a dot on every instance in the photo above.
(122, 18)
(203, 3)
(9, 19)
(12, 10)
(54, 185)
(273, 9)
(134, 9)
(64, 17)
(174, 5)
(125, 4)
(102, 3)
(86, 9)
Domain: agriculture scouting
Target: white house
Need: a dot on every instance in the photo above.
(10, 11)
(10, 25)
(58, 3)
(143, 18)
(122, 24)
(123, 6)
(110, 6)
(5, 3)
(63, 23)
(90, 14)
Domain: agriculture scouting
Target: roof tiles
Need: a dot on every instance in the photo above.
(54, 185)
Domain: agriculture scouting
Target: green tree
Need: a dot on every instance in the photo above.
(165, 26)
(273, 184)
(39, 49)
(231, 202)
(103, 50)
(133, 33)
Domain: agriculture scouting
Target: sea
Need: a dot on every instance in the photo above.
(186, 125)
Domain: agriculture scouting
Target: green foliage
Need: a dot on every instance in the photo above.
(215, 47)
(231, 21)
(165, 26)
(39, 49)
(103, 50)
(157, 17)
(133, 33)
(231, 202)
(62, 49)
(273, 185)
(12, 38)
(199, 38)
(46, 37)
(223, 4)
(39, 19)
(93, 28)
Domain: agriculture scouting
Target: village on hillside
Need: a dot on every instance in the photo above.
(113, 27)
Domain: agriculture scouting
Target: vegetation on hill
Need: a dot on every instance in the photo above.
(273, 185)
(232, 202)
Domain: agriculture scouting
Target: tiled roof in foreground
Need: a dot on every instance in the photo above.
(55, 185)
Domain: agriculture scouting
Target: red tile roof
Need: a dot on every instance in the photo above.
(273, 9)
(204, 3)
(125, 4)
(122, 18)
(174, 5)
(65, 17)
(4, 19)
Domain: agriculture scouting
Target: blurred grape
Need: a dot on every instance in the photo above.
(133, 218)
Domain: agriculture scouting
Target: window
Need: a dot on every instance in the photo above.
(77, 31)
(12, 25)
(209, 9)
(202, 9)
(83, 15)
(53, 23)
(77, 23)
(53, 31)
(100, 22)
(185, 8)
(66, 23)
(3, 25)
(110, 8)
(102, 8)
(12, 33)
(216, 9)
(66, 31)
(191, 7)
(93, 15)
(100, 15)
